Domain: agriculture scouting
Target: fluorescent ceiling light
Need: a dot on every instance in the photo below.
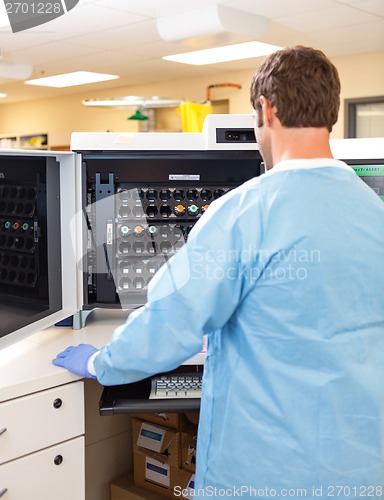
(71, 79)
(2, 95)
(130, 101)
(235, 52)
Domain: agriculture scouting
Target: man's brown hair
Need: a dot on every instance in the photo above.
(303, 85)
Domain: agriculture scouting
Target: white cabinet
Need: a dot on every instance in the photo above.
(54, 473)
(42, 445)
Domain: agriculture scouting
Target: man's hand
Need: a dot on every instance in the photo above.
(75, 359)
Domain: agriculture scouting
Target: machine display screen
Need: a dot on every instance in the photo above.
(373, 176)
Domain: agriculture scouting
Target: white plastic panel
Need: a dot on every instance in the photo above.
(148, 141)
(358, 149)
(62, 166)
(163, 141)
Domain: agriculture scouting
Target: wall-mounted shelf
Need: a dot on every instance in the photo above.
(44, 141)
(9, 142)
(34, 141)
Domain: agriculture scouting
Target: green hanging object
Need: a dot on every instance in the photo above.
(138, 115)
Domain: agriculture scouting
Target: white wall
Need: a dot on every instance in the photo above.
(361, 76)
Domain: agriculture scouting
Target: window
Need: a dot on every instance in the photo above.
(364, 117)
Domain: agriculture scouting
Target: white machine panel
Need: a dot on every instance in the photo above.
(37, 264)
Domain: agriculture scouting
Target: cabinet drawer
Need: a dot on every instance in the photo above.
(54, 473)
(40, 420)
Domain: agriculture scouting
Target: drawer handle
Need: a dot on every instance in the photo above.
(3, 430)
(3, 491)
(57, 403)
(58, 459)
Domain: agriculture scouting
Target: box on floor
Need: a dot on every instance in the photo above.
(171, 420)
(162, 479)
(158, 457)
(125, 489)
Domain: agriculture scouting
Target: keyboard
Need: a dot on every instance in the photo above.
(176, 385)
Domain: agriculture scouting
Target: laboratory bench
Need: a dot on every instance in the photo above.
(53, 441)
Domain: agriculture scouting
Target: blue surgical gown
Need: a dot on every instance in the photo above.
(286, 276)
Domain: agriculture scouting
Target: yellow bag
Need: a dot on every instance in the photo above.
(193, 116)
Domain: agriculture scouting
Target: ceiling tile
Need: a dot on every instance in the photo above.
(327, 18)
(348, 1)
(273, 9)
(89, 18)
(46, 53)
(123, 37)
(104, 62)
(365, 32)
(25, 39)
(372, 6)
(157, 8)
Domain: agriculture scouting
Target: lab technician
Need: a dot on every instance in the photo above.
(286, 276)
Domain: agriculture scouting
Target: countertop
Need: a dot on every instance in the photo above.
(26, 367)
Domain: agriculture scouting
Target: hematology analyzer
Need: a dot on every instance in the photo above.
(89, 229)
(141, 195)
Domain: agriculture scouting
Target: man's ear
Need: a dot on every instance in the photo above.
(267, 110)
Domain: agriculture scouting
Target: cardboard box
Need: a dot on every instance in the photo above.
(160, 443)
(193, 417)
(171, 420)
(125, 489)
(155, 476)
(188, 440)
(158, 455)
(186, 485)
(162, 479)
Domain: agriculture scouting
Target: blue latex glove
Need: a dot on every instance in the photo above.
(75, 359)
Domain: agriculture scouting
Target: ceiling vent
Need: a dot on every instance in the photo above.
(14, 71)
(213, 24)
